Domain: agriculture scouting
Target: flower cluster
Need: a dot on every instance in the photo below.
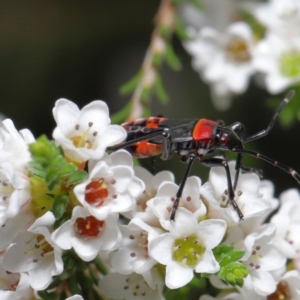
(266, 43)
(79, 223)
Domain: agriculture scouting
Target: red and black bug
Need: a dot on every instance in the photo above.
(195, 138)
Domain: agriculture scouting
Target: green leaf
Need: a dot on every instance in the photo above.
(160, 90)
(36, 169)
(181, 30)
(65, 217)
(145, 94)
(74, 285)
(233, 274)
(121, 115)
(197, 3)
(172, 59)
(130, 85)
(177, 2)
(157, 59)
(165, 31)
(46, 295)
(76, 177)
(221, 249)
(67, 169)
(258, 29)
(59, 205)
(48, 162)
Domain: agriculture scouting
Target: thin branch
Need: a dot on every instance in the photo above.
(164, 27)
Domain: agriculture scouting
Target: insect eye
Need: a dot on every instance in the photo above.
(224, 139)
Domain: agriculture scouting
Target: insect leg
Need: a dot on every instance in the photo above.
(238, 127)
(264, 132)
(138, 139)
(271, 161)
(219, 162)
(181, 186)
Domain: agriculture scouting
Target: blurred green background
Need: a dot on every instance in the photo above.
(85, 50)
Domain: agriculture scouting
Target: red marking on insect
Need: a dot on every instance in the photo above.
(204, 129)
(194, 138)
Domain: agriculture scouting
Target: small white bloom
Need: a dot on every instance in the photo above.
(287, 221)
(247, 196)
(187, 247)
(231, 67)
(152, 182)
(261, 257)
(279, 59)
(14, 286)
(161, 205)
(215, 13)
(75, 297)
(14, 192)
(132, 286)
(12, 227)
(133, 256)
(280, 16)
(111, 186)
(85, 134)
(34, 252)
(86, 234)
(14, 145)
(229, 296)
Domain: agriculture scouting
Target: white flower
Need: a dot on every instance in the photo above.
(14, 145)
(161, 205)
(231, 67)
(85, 134)
(14, 192)
(111, 186)
(12, 227)
(247, 196)
(133, 256)
(229, 296)
(75, 297)
(86, 234)
(34, 252)
(132, 286)
(187, 247)
(215, 13)
(14, 286)
(152, 182)
(287, 221)
(280, 16)
(261, 258)
(288, 287)
(279, 59)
